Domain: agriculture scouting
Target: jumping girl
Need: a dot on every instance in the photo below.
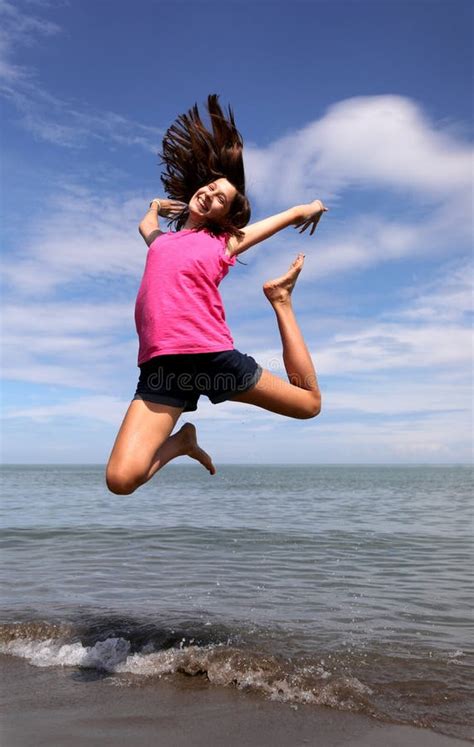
(185, 346)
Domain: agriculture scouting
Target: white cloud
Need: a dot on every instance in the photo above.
(394, 346)
(104, 409)
(439, 437)
(447, 297)
(67, 318)
(367, 141)
(19, 28)
(49, 118)
(81, 238)
(430, 330)
(67, 344)
(399, 395)
(63, 123)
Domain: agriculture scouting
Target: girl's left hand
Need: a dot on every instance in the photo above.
(310, 216)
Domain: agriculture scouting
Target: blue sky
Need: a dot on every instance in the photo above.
(365, 105)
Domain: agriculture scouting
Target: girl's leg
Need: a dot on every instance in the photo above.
(144, 445)
(301, 398)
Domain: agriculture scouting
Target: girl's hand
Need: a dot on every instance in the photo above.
(310, 215)
(169, 208)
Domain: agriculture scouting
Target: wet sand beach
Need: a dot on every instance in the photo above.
(49, 708)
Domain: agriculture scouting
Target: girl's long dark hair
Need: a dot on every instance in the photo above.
(194, 156)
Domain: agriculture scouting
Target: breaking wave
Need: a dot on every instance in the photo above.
(424, 690)
(53, 645)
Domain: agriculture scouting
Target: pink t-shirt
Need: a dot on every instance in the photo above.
(179, 308)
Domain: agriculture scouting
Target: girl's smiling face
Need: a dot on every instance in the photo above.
(212, 202)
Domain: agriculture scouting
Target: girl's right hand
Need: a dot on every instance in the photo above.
(310, 215)
(170, 208)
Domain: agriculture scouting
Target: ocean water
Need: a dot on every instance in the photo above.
(343, 586)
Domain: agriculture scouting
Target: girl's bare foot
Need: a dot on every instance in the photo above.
(279, 290)
(192, 449)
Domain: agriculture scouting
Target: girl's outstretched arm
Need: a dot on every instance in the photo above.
(300, 216)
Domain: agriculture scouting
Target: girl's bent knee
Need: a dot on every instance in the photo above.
(120, 485)
(313, 408)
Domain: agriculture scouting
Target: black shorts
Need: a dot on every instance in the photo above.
(179, 380)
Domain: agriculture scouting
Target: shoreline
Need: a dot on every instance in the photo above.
(51, 706)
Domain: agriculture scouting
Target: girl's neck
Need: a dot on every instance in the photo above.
(190, 224)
